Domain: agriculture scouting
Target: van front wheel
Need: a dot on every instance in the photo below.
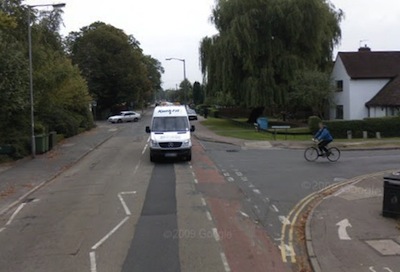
(189, 156)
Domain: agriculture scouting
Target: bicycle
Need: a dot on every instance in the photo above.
(312, 153)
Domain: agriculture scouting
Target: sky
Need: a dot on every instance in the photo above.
(174, 28)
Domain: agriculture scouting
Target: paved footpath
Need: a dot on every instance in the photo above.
(347, 233)
(27, 175)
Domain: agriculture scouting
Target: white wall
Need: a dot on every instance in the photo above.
(377, 112)
(362, 91)
(341, 98)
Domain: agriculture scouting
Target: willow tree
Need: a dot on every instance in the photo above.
(262, 44)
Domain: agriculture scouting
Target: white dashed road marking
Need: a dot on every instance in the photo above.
(274, 208)
(93, 266)
(239, 174)
(209, 217)
(225, 262)
(216, 234)
(284, 220)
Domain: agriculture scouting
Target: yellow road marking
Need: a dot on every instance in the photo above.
(300, 207)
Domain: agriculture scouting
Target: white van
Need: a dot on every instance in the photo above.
(170, 133)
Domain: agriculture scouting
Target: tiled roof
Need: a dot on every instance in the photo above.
(371, 64)
(389, 96)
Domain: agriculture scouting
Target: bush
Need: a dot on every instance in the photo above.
(339, 129)
(200, 109)
(387, 126)
(213, 112)
(313, 122)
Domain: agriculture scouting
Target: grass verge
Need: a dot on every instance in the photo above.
(228, 128)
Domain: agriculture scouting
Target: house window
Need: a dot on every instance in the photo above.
(339, 112)
(339, 85)
(392, 112)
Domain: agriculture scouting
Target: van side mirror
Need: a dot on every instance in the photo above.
(148, 130)
(192, 129)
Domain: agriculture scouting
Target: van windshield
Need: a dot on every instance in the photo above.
(166, 124)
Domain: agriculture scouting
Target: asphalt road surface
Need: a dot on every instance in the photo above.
(275, 181)
(113, 211)
(116, 211)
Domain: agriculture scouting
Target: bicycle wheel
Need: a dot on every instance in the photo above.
(334, 154)
(311, 154)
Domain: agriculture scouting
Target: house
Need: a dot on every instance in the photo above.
(367, 84)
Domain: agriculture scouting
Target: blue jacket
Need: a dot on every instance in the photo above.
(323, 135)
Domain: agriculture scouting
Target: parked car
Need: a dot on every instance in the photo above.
(125, 116)
(191, 114)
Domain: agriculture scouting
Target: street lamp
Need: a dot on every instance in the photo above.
(184, 75)
(55, 6)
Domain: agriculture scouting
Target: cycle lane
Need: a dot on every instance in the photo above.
(245, 244)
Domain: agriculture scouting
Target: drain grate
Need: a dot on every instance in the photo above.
(232, 150)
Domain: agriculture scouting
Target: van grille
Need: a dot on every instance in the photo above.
(171, 145)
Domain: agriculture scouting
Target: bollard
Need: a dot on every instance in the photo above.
(349, 135)
(378, 135)
(365, 134)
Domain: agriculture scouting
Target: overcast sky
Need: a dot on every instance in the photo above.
(174, 28)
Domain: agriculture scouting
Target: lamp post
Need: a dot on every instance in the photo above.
(184, 76)
(55, 6)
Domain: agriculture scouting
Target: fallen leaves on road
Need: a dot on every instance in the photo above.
(29, 186)
(8, 191)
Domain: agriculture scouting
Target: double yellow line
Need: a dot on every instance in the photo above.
(288, 227)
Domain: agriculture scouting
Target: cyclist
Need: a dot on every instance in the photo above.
(324, 137)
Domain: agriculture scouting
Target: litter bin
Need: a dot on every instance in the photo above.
(262, 123)
(42, 143)
(52, 139)
(391, 195)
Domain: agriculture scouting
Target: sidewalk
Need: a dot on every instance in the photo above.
(347, 233)
(19, 179)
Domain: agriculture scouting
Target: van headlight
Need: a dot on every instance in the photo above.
(187, 143)
(153, 143)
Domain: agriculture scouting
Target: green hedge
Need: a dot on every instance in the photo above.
(387, 126)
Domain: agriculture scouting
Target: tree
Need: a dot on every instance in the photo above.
(312, 89)
(154, 73)
(60, 94)
(114, 66)
(186, 95)
(198, 93)
(261, 45)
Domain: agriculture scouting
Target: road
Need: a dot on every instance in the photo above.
(116, 211)
(275, 181)
(113, 211)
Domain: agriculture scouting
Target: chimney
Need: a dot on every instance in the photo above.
(364, 49)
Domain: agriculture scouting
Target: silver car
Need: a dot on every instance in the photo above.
(191, 114)
(125, 116)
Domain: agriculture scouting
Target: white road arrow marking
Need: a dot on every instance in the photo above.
(372, 269)
(342, 231)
